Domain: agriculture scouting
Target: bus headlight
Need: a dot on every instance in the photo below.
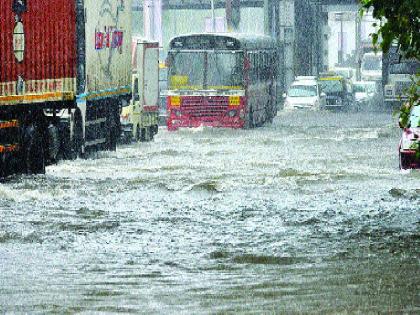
(175, 101)
(232, 113)
(234, 100)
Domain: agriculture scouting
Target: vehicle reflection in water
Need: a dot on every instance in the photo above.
(310, 214)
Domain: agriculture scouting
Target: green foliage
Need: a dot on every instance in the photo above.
(399, 21)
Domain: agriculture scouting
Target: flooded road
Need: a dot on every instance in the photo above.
(307, 215)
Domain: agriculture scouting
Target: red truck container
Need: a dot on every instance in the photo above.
(65, 73)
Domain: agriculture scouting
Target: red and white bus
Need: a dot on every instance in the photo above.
(221, 80)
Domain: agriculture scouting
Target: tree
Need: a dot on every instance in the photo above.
(399, 21)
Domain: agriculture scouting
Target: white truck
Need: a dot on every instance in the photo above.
(398, 77)
(371, 68)
(139, 119)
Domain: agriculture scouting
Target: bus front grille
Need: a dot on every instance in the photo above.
(205, 107)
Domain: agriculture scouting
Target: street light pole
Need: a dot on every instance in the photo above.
(213, 17)
(339, 16)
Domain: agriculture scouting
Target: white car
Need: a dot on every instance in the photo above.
(304, 93)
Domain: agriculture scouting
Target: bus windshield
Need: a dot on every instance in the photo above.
(205, 70)
(224, 70)
(186, 70)
(331, 86)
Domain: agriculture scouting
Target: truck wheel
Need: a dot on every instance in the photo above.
(151, 133)
(155, 129)
(145, 134)
(404, 162)
(33, 154)
(138, 133)
(72, 146)
(53, 143)
(2, 167)
(113, 134)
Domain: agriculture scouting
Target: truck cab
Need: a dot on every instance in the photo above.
(371, 68)
(139, 119)
(337, 90)
(399, 80)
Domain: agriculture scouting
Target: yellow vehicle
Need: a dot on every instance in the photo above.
(139, 119)
(336, 88)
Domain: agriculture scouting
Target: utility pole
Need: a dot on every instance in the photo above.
(213, 17)
(229, 15)
(233, 15)
(148, 14)
(158, 36)
(339, 16)
(358, 48)
(268, 17)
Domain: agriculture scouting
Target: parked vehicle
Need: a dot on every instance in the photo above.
(399, 81)
(337, 92)
(365, 94)
(65, 73)
(347, 73)
(221, 80)
(409, 147)
(304, 93)
(371, 67)
(140, 118)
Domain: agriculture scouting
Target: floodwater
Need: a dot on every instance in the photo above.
(307, 215)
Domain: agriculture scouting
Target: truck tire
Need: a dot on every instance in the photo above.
(112, 132)
(71, 147)
(33, 150)
(2, 167)
(53, 143)
(138, 133)
(155, 129)
(151, 133)
(145, 134)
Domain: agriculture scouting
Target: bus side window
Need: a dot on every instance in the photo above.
(258, 66)
(253, 70)
(265, 67)
(261, 65)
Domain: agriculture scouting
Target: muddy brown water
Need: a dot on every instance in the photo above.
(307, 215)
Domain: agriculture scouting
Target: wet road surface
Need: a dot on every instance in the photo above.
(307, 215)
